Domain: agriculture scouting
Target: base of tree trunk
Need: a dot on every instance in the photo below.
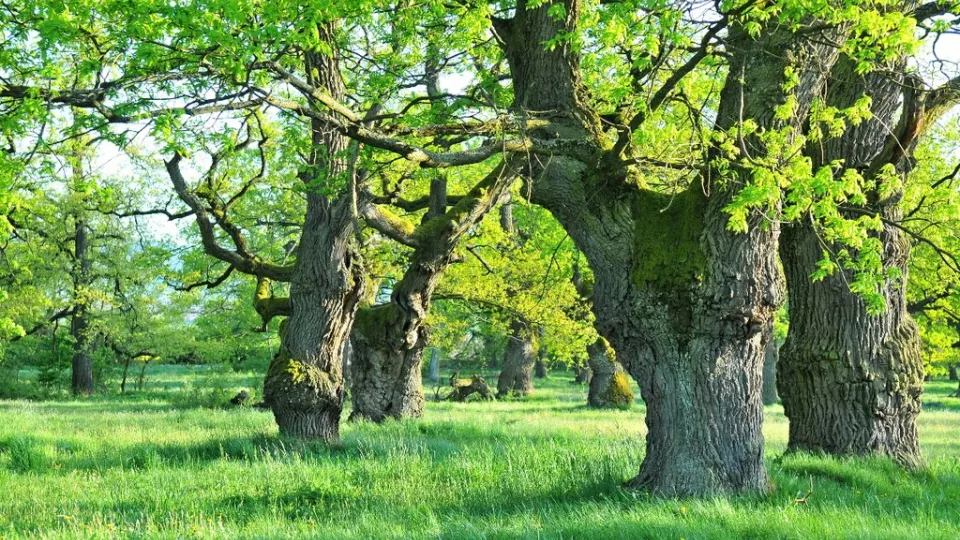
(82, 377)
(704, 419)
(540, 369)
(956, 394)
(306, 401)
(953, 373)
(609, 386)
(833, 409)
(319, 424)
(582, 375)
(516, 378)
(386, 384)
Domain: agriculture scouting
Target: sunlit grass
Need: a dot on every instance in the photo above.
(153, 464)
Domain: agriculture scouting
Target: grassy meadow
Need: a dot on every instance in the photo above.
(164, 463)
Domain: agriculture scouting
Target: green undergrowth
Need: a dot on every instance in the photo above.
(153, 465)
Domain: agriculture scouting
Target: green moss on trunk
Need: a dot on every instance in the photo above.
(667, 238)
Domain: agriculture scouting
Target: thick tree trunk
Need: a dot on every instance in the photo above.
(850, 381)
(680, 297)
(304, 383)
(609, 386)
(386, 378)
(389, 339)
(82, 369)
(953, 372)
(516, 377)
(770, 360)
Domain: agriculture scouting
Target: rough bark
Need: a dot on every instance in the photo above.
(609, 386)
(82, 368)
(953, 372)
(389, 339)
(682, 299)
(851, 381)
(304, 383)
(770, 360)
(386, 379)
(516, 377)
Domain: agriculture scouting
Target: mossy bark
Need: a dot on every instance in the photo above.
(389, 340)
(386, 377)
(304, 383)
(851, 381)
(516, 377)
(681, 298)
(609, 387)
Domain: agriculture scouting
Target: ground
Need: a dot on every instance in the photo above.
(160, 464)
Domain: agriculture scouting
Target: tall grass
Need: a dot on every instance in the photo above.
(546, 467)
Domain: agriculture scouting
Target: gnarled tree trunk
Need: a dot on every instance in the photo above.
(516, 377)
(389, 340)
(851, 381)
(609, 386)
(682, 299)
(386, 377)
(304, 383)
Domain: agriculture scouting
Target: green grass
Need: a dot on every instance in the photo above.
(155, 464)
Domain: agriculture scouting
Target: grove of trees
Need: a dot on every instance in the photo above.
(665, 190)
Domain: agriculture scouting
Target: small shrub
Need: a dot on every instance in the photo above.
(13, 388)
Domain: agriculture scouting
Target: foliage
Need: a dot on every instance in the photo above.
(931, 209)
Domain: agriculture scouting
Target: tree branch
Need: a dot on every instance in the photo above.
(242, 261)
